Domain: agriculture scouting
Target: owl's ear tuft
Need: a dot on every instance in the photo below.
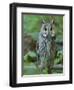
(43, 22)
(52, 21)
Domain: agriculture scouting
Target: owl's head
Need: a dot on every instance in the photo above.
(47, 29)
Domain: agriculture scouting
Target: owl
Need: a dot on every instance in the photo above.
(43, 45)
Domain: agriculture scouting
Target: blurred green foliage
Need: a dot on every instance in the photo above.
(29, 57)
(59, 58)
(31, 26)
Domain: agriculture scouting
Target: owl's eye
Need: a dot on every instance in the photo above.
(51, 28)
(45, 29)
